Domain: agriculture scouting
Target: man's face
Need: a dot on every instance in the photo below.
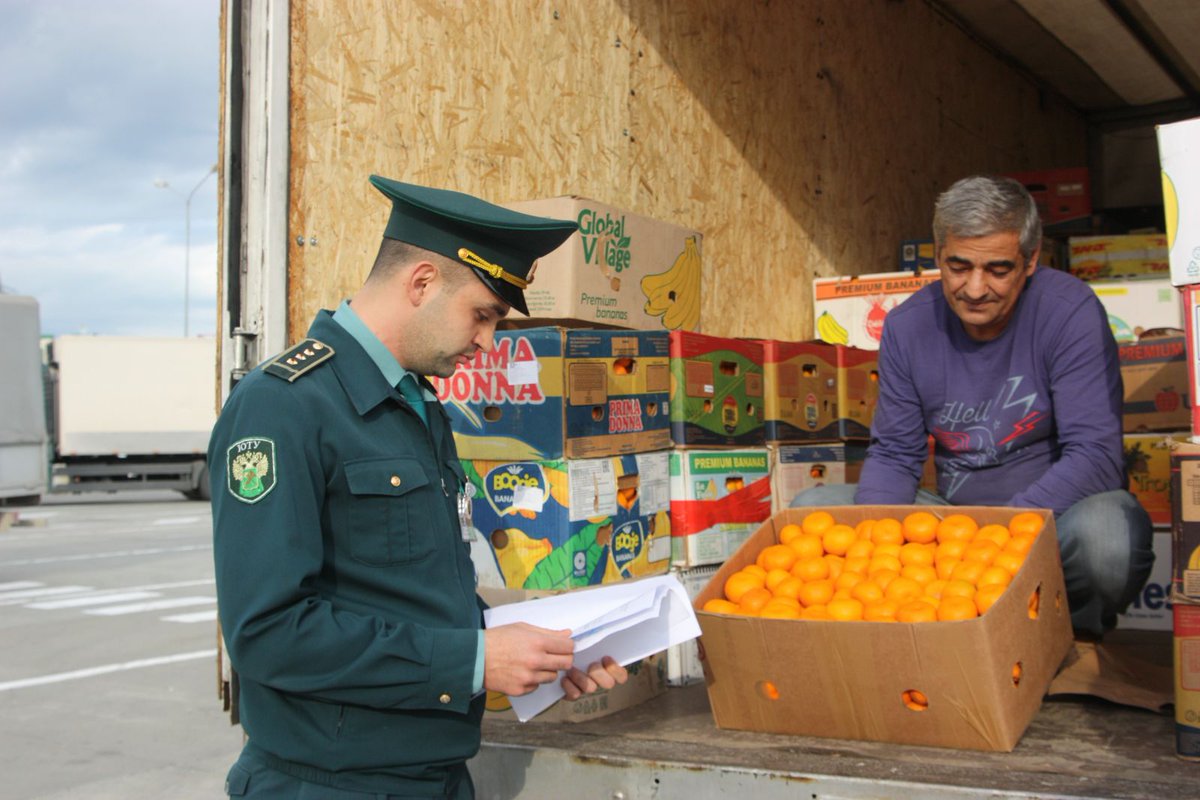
(457, 322)
(982, 277)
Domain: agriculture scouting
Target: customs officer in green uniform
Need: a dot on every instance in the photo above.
(346, 592)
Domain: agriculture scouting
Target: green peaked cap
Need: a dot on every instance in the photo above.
(501, 245)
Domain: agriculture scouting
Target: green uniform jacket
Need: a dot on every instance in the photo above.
(346, 592)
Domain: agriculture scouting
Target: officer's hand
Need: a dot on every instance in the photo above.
(518, 658)
(604, 674)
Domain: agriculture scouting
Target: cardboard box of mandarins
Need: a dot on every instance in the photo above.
(983, 679)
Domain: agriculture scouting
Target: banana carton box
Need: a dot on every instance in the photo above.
(718, 498)
(562, 524)
(818, 392)
(1179, 156)
(796, 467)
(851, 310)
(1185, 522)
(620, 268)
(717, 391)
(1158, 395)
(550, 392)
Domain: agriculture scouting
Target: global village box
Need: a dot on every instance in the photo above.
(797, 467)
(562, 524)
(1179, 156)
(851, 310)
(984, 678)
(718, 498)
(1157, 397)
(619, 268)
(551, 392)
(717, 391)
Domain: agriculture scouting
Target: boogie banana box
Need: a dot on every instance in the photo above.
(561, 524)
(545, 393)
(620, 268)
(717, 391)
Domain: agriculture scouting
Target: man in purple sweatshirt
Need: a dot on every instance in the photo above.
(1014, 372)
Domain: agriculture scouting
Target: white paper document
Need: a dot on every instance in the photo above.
(627, 621)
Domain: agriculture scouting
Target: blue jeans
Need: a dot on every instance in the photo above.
(1105, 541)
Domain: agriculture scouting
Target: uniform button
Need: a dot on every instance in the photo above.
(444, 699)
(395, 480)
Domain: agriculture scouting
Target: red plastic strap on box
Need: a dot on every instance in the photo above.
(751, 503)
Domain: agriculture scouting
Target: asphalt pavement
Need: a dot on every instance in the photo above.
(108, 678)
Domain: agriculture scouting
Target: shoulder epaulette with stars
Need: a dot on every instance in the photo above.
(299, 360)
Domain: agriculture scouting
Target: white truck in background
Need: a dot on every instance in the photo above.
(85, 413)
(23, 449)
(131, 412)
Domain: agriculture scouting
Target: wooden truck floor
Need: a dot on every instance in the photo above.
(669, 747)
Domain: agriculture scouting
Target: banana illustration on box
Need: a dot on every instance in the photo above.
(830, 330)
(675, 294)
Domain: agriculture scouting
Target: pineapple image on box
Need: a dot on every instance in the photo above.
(675, 294)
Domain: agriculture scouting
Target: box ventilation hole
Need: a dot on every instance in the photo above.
(491, 413)
(768, 690)
(1058, 603)
(914, 700)
(728, 368)
(624, 366)
(652, 409)
(499, 539)
(708, 406)
(734, 483)
(809, 370)
(1017, 671)
(597, 413)
(1035, 602)
(751, 410)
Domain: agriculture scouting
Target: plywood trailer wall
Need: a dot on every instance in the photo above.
(803, 138)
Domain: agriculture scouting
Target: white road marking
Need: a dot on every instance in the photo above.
(149, 551)
(4, 587)
(8, 598)
(153, 605)
(92, 600)
(176, 521)
(104, 670)
(195, 616)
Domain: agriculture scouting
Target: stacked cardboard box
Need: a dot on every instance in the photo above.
(1179, 154)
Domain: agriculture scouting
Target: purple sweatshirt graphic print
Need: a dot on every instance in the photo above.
(1031, 418)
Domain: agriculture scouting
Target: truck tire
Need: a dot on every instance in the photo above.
(203, 490)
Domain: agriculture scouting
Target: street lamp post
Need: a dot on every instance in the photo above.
(187, 234)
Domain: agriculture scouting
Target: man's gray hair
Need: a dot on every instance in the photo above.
(982, 205)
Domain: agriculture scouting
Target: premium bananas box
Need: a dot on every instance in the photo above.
(718, 498)
(851, 310)
(544, 393)
(1108, 257)
(1179, 156)
(620, 268)
(562, 524)
(717, 391)
(1157, 390)
(796, 467)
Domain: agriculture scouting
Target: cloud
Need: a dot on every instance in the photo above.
(101, 100)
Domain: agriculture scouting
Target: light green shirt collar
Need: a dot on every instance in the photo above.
(393, 373)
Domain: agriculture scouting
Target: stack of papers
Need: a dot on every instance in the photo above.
(627, 621)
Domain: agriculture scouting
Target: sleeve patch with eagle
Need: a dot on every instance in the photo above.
(250, 468)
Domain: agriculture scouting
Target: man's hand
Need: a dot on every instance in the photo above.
(518, 658)
(604, 674)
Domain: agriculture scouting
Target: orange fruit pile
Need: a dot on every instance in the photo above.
(918, 569)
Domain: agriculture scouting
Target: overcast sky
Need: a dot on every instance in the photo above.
(99, 99)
